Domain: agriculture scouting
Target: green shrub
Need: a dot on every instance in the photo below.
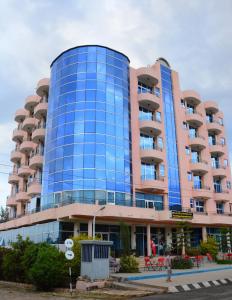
(129, 264)
(3, 252)
(224, 261)
(48, 270)
(193, 251)
(181, 263)
(210, 246)
(29, 258)
(12, 265)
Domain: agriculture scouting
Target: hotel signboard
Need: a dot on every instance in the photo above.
(182, 215)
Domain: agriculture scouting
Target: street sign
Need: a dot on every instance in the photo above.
(69, 254)
(68, 243)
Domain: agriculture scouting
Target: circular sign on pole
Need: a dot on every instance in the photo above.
(69, 254)
(68, 243)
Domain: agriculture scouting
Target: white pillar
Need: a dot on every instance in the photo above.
(133, 237)
(166, 206)
(168, 237)
(228, 241)
(148, 239)
(90, 228)
(76, 228)
(204, 234)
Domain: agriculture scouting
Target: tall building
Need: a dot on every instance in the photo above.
(104, 139)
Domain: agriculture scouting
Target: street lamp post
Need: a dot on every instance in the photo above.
(94, 219)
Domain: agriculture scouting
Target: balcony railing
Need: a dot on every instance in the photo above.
(197, 161)
(201, 187)
(195, 136)
(151, 147)
(149, 118)
(193, 113)
(220, 189)
(152, 177)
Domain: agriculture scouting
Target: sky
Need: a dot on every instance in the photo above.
(195, 36)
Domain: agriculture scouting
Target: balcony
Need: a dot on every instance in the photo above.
(24, 171)
(27, 146)
(21, 114)
(222, 195)
(150, 127)
(202, 192)
(152, 154)
(147, 75)
(217, 148)
(197, 141)
(22, 196)
(194, 118)
(34, 188)
(36, 161)
(219, 171)
(31, 102)
(16, 155)
(18, 135)
(211, 107)
(153, 184)
(13, 177)
(11, 201)
(38, 134)
(214, 127)
(191, 97)
(41, 110)
(42, 87)
(200, 166)
(29, 123)
(149, 101)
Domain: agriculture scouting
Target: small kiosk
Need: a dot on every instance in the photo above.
(95, 259)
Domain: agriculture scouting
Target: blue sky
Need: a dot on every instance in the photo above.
(194, 36)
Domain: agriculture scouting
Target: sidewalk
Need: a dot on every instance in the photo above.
(205, 276)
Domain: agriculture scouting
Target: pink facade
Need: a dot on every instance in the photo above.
(196, 157)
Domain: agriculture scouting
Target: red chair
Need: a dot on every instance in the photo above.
(161, 263)
(148, 264)
(209, 256)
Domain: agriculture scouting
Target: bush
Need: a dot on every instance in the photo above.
(181, 263)
(224, 261)
(129, 264)
(12, 265)
(210, 246)
(3, 252)
(48, 270)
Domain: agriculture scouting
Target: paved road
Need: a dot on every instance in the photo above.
(223, 292)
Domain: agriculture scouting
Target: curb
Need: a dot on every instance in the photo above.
(199, 285)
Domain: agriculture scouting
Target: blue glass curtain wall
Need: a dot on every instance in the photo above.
(88, 142)
(174, 195)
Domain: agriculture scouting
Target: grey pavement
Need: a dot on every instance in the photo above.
(219, 293)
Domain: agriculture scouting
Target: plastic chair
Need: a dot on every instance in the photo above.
(161, 263)
(148, 264)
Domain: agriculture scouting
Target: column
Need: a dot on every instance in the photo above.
(166, 206)
(204, 234)
(76, 228)
(133, 237)
(168, 238)
(148, 239)
(90, 228)
(228, 241)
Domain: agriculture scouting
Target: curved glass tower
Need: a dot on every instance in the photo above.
(87, 147)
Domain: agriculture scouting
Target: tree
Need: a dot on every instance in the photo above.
(182, 237)
(125, 239)
(4, 214)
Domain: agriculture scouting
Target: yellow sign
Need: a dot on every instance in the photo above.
(182, 215)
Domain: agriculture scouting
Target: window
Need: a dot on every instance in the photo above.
(192, 132)
(212, 139)
(217, 186)
(182, 103)
(220, 121)
(220, 208)
(149, 204)
(199, 205)
(215, 162)
(195, 156)
(185, 125)
(189, 176)
(160, 142)
(146, 142)
(145, 114)
(192, 203)
(209, 118)
(162, 170)
(148, 171)
(158, 116)
(187, 150)
(143, 88)
(190, 109)
(225, 162)
(157, 91)
(222, 141)
(197, 182)
(228, 185)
